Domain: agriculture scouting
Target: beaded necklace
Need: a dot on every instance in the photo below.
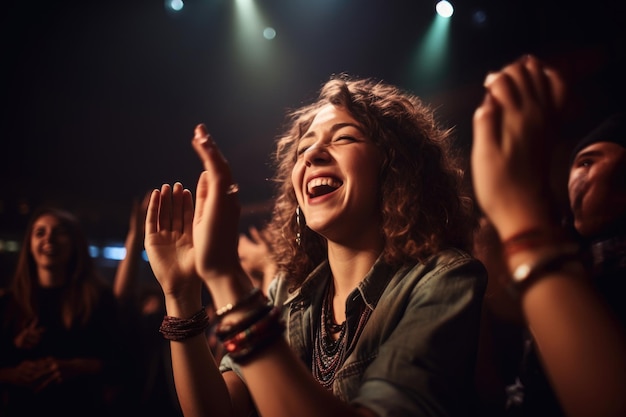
(328, 353)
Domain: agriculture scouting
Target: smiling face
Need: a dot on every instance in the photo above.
(336, 177)
(50, 243)
(597, 188)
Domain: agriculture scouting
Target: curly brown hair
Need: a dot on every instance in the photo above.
(423, 204)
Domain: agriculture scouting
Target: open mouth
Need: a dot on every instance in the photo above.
(322, 185)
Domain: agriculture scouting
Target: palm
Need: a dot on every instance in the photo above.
(171, 257)
(168, 238)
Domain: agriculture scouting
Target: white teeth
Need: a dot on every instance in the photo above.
(319, 181)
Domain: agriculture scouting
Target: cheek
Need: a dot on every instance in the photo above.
(369, 171)
(296, 181)
(33, 246)
(574, 184)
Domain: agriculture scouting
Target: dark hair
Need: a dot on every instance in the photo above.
(422, 205)
(611, 129)
(83, 282)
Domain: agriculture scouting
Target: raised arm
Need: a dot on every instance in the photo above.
(199, 385)
(127, 273)
(582, 346)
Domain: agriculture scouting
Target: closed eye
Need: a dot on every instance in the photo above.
(345, 138)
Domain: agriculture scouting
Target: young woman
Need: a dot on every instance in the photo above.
(58, 338)
(376, 297)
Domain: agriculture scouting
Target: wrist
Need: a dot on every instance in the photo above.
(183, 306)
(530, 265)
(228, 287)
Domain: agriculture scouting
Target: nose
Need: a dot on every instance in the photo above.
(47, 236)
(316, 154)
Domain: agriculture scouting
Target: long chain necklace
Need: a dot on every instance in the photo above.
(328, 353)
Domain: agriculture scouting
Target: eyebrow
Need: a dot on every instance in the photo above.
(586, 154)
(335, 128)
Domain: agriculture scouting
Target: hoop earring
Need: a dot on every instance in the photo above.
(299, 224)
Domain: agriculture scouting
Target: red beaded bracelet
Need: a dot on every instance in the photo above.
(175, 328)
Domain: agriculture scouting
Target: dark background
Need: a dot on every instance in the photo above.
(100, 98)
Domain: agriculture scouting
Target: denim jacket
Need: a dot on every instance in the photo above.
(417, 352)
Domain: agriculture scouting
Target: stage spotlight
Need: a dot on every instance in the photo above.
(444, 9)
(269, 33)
(175, 5)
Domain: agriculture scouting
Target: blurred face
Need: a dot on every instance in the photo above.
(50, 243)
(597, 188)
(336, 176)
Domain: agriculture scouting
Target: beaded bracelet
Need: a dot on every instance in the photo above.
(174, 328)
(244, 345)
(228, 330)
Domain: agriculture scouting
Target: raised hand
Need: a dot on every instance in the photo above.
(169, 242)
(216, 218)
(515, 130)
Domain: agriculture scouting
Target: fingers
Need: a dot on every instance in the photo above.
(202, 191)
(506, 85)
(558, 88)
(486, 124)
(526, 81)
(170, 209)
(152, 212)
(187, 212)
(177, 208)
(539, 86)
(255, 234)
(214, 162)
(165, 208)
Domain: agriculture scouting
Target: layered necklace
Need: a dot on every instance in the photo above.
(329, 352)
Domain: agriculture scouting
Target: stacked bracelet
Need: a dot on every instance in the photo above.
(174, 328)
(225, 331)
(245, 344)
(258, 326)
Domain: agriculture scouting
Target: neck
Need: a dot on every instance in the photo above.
(349, 267)
(49, 277)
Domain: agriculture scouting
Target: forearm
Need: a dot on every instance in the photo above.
(582, 345)
(200, 387)
(293, 391)
(199, 384)
(127, 272)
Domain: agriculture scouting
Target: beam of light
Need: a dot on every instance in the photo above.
(255, 46)
(251, 33)
(432, 55)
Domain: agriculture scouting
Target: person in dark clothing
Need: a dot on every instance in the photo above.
(59, 326)
(564, 278)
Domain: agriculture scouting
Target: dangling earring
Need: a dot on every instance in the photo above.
(299, 223)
